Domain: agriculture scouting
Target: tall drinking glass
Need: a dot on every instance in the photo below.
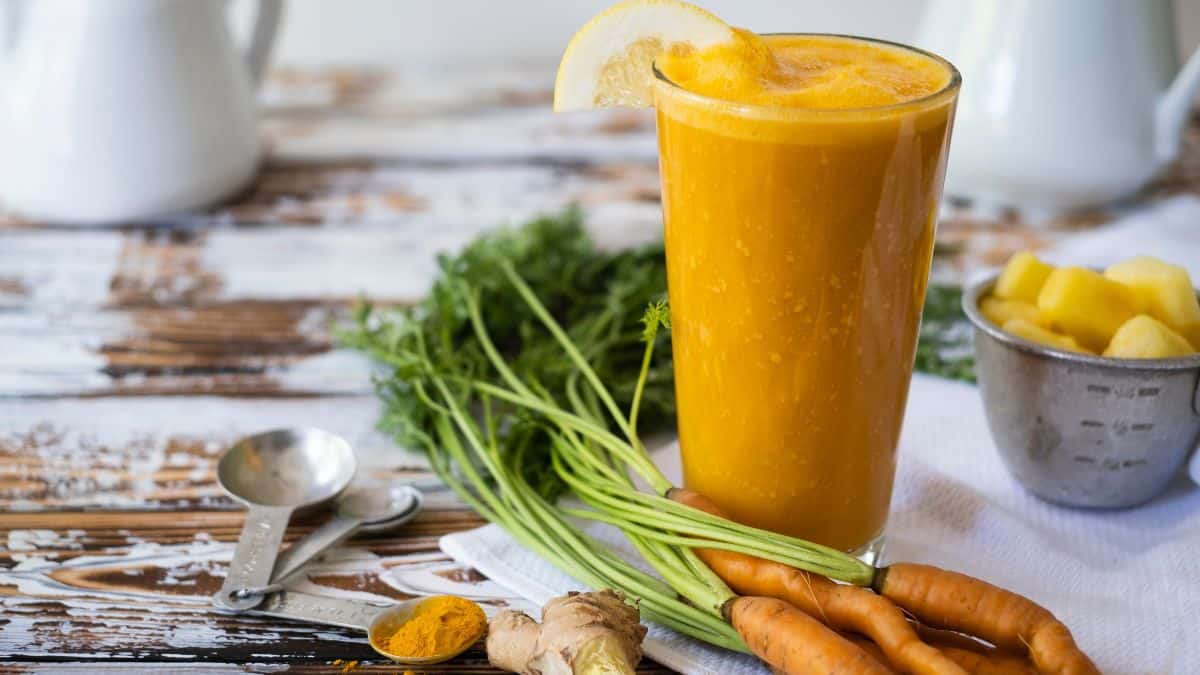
(798, 249)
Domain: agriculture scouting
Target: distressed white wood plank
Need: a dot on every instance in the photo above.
(424, 89)
(154, 452)
(498, 112)
(503, 133)
(397, 264)
(377, 249)
(142, 597)
(368, 246)
(419, 198)
(82, 352)
(56, 268)
(379, 227)
(97, 311)
(187, 574)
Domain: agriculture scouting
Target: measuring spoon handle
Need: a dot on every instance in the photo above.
(254, 557)
(302, 552)
(319, 609)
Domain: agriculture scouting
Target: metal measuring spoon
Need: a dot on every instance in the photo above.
(367, 508)
(275, 473)
(378, 621)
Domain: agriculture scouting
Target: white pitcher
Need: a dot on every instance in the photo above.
(1065, 103)
(126, 109)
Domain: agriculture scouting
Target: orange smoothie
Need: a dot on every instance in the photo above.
(801, 177)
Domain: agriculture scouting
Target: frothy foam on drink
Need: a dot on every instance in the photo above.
(805, 71)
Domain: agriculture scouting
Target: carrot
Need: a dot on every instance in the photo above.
(946, 599)
(989, 661)
(992, 663)
(793, 642)
(940, 637)
(846, 608)
(867, 646)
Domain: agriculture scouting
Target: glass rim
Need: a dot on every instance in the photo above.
(946, 91)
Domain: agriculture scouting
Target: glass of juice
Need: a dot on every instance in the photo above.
(801, 182)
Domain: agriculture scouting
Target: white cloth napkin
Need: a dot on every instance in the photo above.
(1169, 229)
(501, 559)
(1127, 583)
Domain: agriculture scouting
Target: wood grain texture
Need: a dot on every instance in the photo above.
(243, 301)
(134, 586)
(132, 355)
(154, 453)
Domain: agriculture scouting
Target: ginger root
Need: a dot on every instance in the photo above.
(594, 633)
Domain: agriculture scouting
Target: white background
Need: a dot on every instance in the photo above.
(455, 32)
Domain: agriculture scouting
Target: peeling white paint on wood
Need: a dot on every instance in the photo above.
(57, 268)
(383, 251)
(174, 609)
(114, 531)
(422, 89)
(494, 134)
(138, 453)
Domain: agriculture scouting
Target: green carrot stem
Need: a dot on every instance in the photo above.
(656, 480)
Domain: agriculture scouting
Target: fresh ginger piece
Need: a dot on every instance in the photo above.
(999, 311)
(1022, 278)
(1034, 333)
(1164, 291)
(1085, 305)
(594, 633)
(1144, 337)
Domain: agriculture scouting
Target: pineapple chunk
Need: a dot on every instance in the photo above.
(999, 310)
(1192, 333)
(1163, 290)
(1022, 278)
(1144, 337)
(1024, 328)
(1085, 305)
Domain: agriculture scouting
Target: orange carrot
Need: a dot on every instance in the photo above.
(940, 637)
(987, 661)
(945, 599)
(867, 646)
(846, 608)
(992, 663)
(793, 642)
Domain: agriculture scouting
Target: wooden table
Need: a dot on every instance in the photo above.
(130, 356)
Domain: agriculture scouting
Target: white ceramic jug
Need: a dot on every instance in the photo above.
(126, 109)
(1065, 103)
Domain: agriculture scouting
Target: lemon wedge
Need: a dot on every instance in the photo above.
(609, 61)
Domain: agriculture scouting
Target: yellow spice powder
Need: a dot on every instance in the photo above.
(438, 625)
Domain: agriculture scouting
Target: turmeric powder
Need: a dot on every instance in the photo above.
(438, 625)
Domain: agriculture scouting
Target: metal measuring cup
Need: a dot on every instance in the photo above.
(274, 474)
(1084, 430)
(367, 508)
